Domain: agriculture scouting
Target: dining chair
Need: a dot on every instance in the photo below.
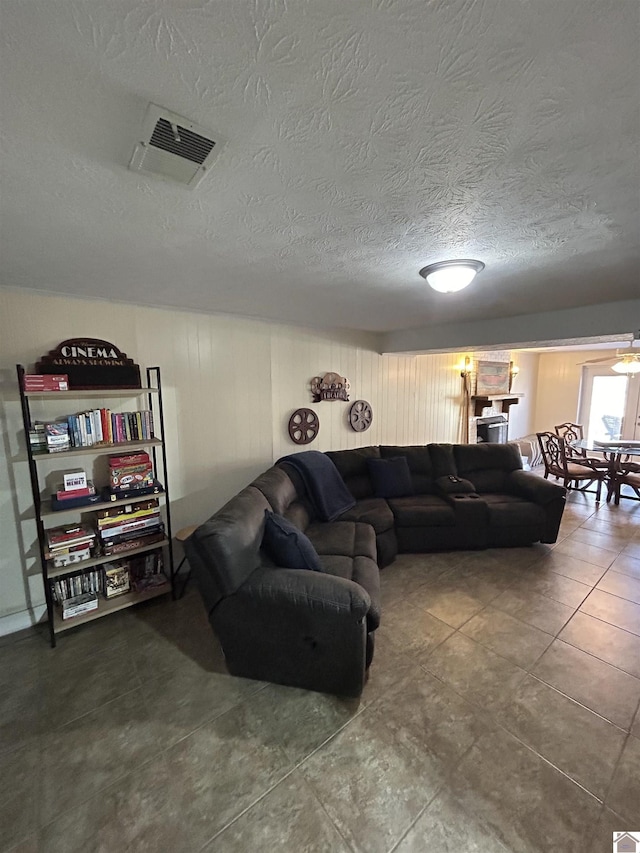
(559, 465)
(627, 475)
(575, 432)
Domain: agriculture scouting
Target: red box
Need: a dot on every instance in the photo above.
(46, 382)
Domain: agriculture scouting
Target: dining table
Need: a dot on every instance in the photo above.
(621, 457)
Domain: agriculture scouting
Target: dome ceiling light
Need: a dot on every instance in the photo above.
(450, 276)
(628, 364)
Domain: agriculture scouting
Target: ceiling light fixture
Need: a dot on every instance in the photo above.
(628, 364)
(450, 276)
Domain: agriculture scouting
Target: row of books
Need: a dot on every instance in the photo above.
(77, 594)
(85, 429)
(70, 586)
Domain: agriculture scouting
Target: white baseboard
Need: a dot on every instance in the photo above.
(21, 620)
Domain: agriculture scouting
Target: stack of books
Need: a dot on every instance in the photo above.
(131, 526)
(37, 437)
(45, 382)
(69, 544)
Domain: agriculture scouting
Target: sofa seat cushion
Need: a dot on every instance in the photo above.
(363, 571)
(373, 511)
(512, 511)
(422, 511)
(343, 538)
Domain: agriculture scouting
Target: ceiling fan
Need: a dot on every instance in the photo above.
(626, 360)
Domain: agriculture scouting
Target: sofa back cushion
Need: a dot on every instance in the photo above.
(391, 477)
(277, 488)
(420, 465)
(225, 550)
(443, 460)
(487, 466)
(352, 465)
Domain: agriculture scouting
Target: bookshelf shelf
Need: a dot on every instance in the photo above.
(107, 606)
(42, 510)
(103, 447)
(97, 394)
(47, 512)
(98, 561)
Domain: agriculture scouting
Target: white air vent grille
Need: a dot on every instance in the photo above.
(178, 140)
(173, 147)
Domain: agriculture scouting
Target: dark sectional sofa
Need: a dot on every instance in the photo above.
(316, 629)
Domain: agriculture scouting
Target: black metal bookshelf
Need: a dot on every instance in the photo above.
(153, 394)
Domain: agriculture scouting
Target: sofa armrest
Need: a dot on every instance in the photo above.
(317, 591)
(296, 627)
(534, 488)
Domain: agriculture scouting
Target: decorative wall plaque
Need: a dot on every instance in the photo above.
(331, 386)
(360, 416)
(91, 363)
(304, 426)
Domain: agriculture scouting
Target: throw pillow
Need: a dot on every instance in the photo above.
(391, 477)
(287, 546)
(451, 485)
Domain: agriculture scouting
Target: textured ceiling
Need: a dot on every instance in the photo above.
(363, 141)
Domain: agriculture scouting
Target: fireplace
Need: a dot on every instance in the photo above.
(494, 429)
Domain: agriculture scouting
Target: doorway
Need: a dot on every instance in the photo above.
(609, 404)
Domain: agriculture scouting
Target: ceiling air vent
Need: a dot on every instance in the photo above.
(173, 147)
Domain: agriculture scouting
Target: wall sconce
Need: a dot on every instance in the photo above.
(466, 368)
(514, 370)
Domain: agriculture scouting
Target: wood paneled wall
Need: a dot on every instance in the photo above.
(230, 385)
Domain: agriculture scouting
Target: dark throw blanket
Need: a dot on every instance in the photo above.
(324, 485)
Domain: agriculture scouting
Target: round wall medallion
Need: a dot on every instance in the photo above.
(360, 416)
(304, 426)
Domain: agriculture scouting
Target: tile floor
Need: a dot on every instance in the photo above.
(501, 714)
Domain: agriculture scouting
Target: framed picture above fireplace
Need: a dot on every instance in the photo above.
(492, 377)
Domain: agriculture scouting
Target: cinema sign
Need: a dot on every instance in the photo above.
(90, 364)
